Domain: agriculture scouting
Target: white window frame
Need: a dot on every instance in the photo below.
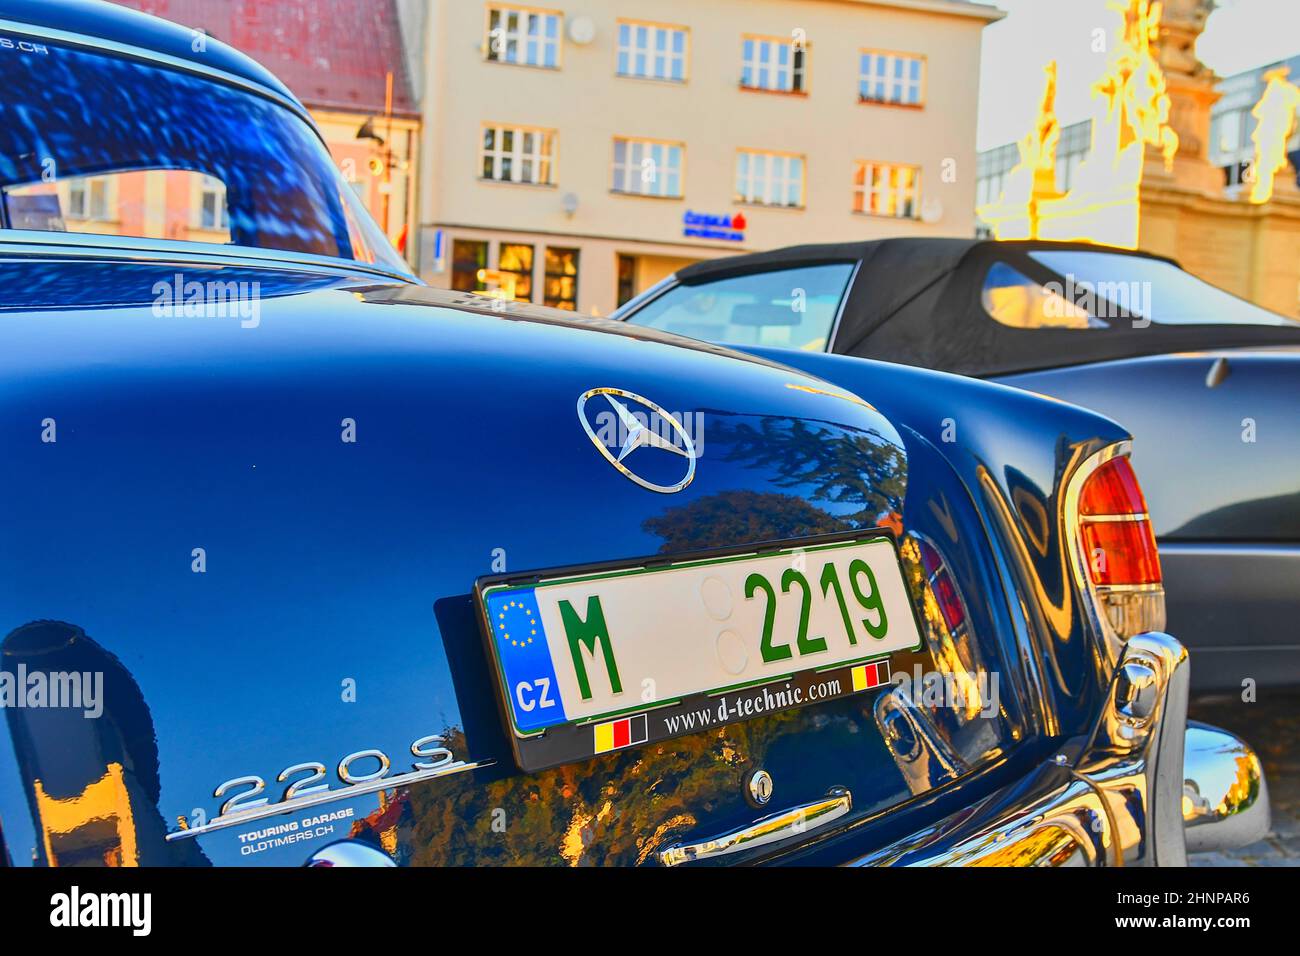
(877, 68)
(107, 186)
(541, 156)
(649, 56)
(86, 187)
(78, 194)
(516, 45)
(211, 186)
(764, 70)
(655, 156)
(886, 186)
(1229, 120)
(763, 177)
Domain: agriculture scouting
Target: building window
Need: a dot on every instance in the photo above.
(886, 189)
(1237, 174)
(897, 78)
(774, 64)
(1066, 167)
(650, 51)
(626, 278)
(77, 199)
(88, 199)
(646, 167)
(517, 154)
(468, 256)
(99, 205)
(212, 204)
(1225, 131)
(561, 288)
(769, 179)
(523, 36)
(516, 260)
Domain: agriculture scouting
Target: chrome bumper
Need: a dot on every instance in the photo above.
(1225, 797)
(1142, 789)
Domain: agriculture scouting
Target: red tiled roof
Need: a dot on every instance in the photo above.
(333, 54)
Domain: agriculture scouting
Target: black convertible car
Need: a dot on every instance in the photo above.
(1208, 384)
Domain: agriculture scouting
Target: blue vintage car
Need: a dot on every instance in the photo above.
(302, 561)
(1207, 383)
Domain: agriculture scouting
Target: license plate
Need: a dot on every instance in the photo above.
(593, 661)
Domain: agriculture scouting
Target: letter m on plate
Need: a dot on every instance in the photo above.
(587, 635)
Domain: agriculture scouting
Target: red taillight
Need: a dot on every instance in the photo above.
(1117, 548)
(1112, 490)
(1120, 552)
(1114, 529)
(945, 590)
(930, 558)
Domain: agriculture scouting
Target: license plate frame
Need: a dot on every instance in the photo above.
(648, 722)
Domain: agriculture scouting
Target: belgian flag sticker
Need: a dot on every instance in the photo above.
(617, 734)
(870, 675)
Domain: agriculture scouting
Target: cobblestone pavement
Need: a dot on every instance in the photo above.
(1272, 726)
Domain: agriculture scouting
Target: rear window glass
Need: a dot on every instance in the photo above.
(1113, 286)
(123, 204)
(94, 143)
(786, 308)
(1016, 300)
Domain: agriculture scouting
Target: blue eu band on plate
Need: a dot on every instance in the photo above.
(525, 660)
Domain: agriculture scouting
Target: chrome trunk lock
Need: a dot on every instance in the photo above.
(758, 788)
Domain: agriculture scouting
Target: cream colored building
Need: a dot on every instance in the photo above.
(580, 150)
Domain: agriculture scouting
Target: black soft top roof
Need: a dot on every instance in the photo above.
(918, 301)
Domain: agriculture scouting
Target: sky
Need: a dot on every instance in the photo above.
(1240, 35)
